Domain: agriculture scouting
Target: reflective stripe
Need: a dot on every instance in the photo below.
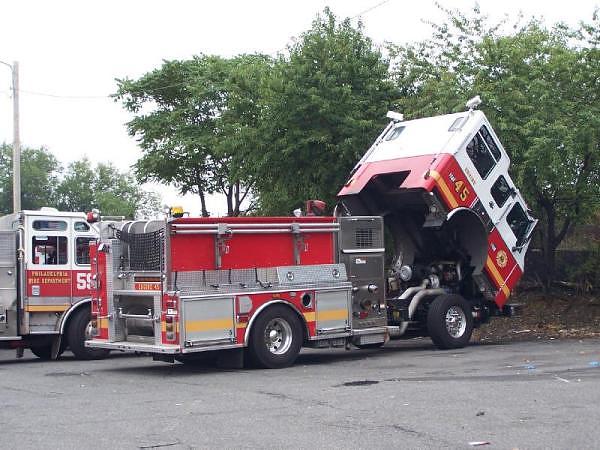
(208, 325)
(489, 264)
(334, 314)
(47, 308)
(309, 316)
(446, 192)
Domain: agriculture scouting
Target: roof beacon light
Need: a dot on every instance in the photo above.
(395, 116)
(93, 216)
(474, 103)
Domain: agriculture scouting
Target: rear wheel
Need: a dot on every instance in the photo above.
(450, 321)
(276, 338)
(78, 332)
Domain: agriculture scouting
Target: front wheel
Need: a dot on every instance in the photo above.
(78, 332)
(450, 321)
(276, 338)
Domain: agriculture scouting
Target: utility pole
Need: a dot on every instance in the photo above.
(16, 141)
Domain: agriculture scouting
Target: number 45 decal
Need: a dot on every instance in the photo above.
(462, 190)
(84, 281)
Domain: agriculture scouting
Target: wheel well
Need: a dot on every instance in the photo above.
(69, 315)
(471, 234)
(266, 306)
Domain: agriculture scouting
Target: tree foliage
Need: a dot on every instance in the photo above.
(540, 89)
(84, 187)
(325, 102)
(39, 175)
(195, 121)
(81, 187)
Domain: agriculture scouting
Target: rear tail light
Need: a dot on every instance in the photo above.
(170, 319)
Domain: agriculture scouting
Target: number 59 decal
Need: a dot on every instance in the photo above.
(84, 281)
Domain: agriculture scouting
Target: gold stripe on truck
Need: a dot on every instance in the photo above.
(47, 308)
(446, 192)
(334, 314)
(192, 326)
(496, 275)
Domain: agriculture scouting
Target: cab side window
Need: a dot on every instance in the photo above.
(81, 226)
(82, 250)
(483, 152)
(49, 250)
(501, 191)
(518, 222)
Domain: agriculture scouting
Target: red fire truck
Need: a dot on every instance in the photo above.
(428, 238)
(45, 282)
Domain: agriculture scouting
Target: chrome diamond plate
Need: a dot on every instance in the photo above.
(320, 273)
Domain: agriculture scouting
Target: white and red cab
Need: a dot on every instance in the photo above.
(45, 281)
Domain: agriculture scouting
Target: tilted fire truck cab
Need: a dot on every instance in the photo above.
(429, 238)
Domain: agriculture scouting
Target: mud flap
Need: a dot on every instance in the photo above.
(231, 359)
(55, 351)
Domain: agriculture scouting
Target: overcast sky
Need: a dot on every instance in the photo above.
(70, 53)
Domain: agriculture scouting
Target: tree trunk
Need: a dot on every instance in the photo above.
(236, 194)
(549, 255)
(229, 196)
(205, 212)
(551, 240)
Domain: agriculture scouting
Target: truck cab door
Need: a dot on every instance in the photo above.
(48, 273)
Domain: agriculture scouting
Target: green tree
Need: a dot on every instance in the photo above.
(39, 172)
(540, 89)
(196, 121)
(85, 187)
(324, 103)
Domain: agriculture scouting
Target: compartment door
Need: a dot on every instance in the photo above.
(332, 311)
(8, 284)
(208, 321)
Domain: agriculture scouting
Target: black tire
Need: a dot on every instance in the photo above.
(275, 338)
(450, 321)
(43, 352)
(77, 335)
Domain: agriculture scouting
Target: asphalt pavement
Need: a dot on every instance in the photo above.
(542, 394)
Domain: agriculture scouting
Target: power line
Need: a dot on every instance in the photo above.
(88, 97)
(370, 9)
(73, 97)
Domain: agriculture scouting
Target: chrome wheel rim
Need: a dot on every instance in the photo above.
(278, 336)
(456, 321)
(88, 331)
